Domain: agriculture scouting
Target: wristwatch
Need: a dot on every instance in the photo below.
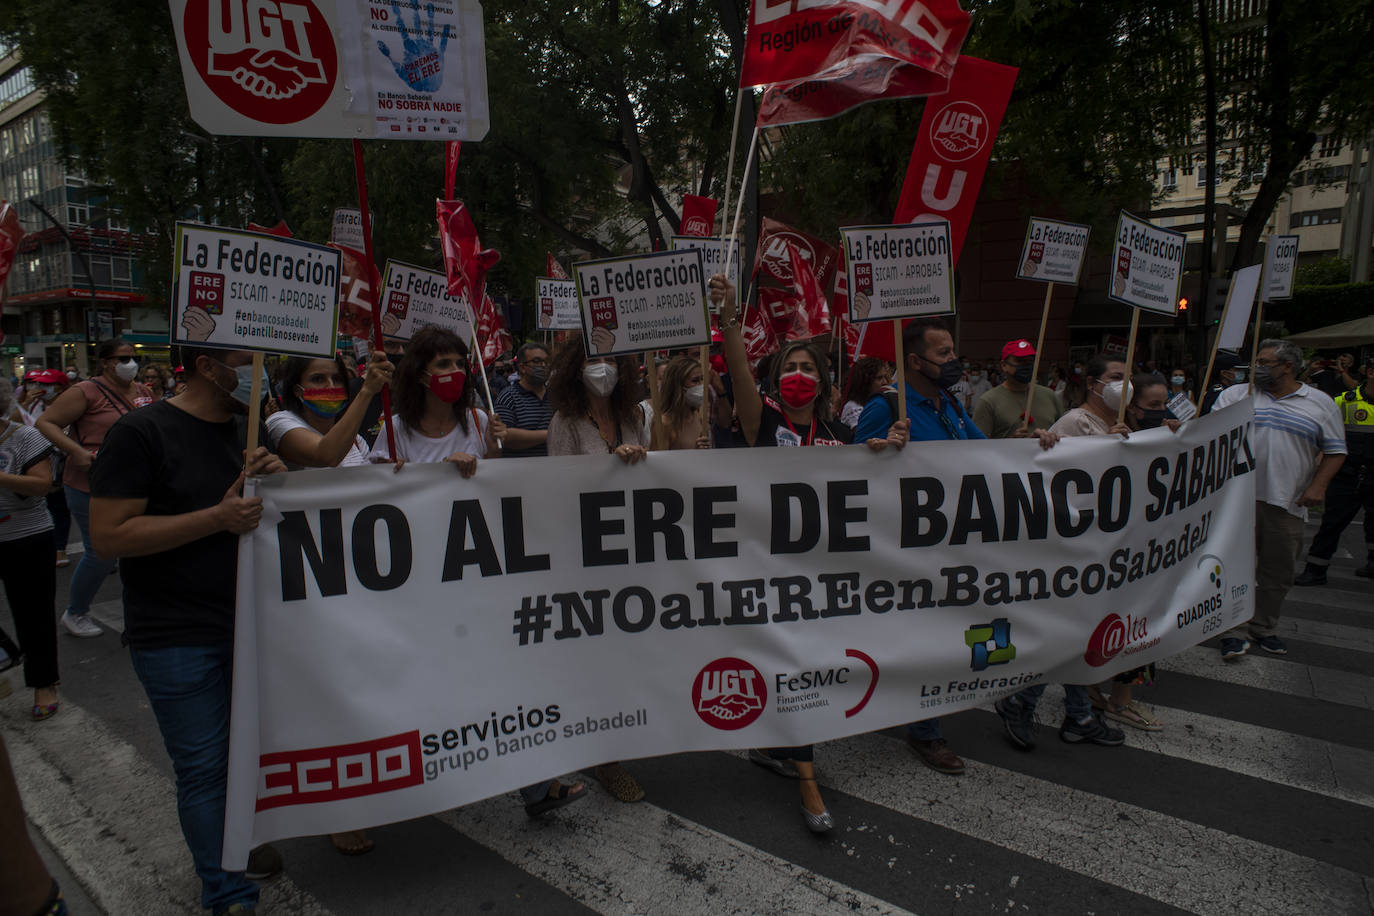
(729, 323)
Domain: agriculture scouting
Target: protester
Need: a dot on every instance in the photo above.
(73, 373)
(89, 408)
(1298, 444)
(1076, 391)
(167, 500)
(1059, 382)
(44, 385)
(155, 378)
(1352, 487)
(596, 411)
(25, 546)
(1332, 376)
(1105, 377)
(1228, 371)
(1001, 412)
(683, 403)
(978, 385)
(867, 379)
(524, 405)
(437, 418)
(1180, 401)
(793, 413)
(179, 380)
(318, 424)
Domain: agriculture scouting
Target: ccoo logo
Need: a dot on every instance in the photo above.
(729, 693)
(959, 131)
(267, 60)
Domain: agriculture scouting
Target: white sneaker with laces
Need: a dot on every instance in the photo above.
(80, 625)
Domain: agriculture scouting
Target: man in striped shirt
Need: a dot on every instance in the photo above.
(1299, 439)
(524, 406)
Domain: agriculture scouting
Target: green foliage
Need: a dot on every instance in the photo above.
(1319, 306)
(1325, 272)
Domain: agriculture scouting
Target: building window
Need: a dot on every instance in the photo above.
(1330, 146)
(1304, 218)
(15, 86)
(78, 214)
(1202, 177)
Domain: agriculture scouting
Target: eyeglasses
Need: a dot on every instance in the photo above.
(534, 362)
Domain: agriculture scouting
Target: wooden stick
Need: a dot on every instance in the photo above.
(486, 383)
(1039, 345)
(1130, 362)
(1259, 323)
(373, 299)
(728, 241)
(255, 404)
(1216, 341)
(706, 393)
(730, 165)
(901, 367)
(651, 370)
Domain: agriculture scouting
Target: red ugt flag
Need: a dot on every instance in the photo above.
(11, 234)
(854, 82)
(812, 317)
(356, 282)
(698, 215)
(465, 260)
(552, 269)
(792, 40)
(492, 335)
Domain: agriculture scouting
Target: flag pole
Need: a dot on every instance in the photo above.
(372, 289)
(739, 204)
(730, 165)
(1039, 345)
(901, 367)
(1130, 362)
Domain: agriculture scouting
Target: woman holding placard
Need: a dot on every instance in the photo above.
(867, 380)
(794, 413)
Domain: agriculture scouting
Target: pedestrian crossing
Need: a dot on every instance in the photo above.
(1256, 797)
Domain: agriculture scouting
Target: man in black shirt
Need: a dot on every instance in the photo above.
(167, 500)
(1228, 371)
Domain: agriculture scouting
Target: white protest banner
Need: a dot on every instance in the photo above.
(409, 643)
(557, 304)
(415, 298)
(334, 68)
(898, 271)
(347, 228)
(1240, 307)
(1053, 251)
(643, 302)
(1280, 265)
(713, 253)
(242, 290)
(1149, 265)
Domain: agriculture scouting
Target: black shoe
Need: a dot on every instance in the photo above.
(1312, 575)
(264, 862)
(1018, 720)
(1093, 731)
(1368, 570)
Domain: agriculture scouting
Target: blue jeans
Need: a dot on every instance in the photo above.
(1077, 706)
(91, 571)
(927, 730)
(188, 688)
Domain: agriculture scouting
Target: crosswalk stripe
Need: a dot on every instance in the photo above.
(1326, 597)
(1277, 756)
(112, 817)
(1125, 845)
(1253, 670)
(630, 859)
(1334, 635)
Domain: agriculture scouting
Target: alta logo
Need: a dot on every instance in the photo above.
(959, 131)
(342, 771)
(270, 61)
(695, 225)
(729, 694)
(990, 644)
(1111, 636)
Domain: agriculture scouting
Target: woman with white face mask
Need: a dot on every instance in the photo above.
(1104, 386)
(682, 396)
(76, 422)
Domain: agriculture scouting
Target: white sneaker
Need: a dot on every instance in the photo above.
(80, 625)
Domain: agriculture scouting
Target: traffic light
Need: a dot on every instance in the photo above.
(1183, 304)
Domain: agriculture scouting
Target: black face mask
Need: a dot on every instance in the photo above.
(1023, 374)
(1150, 419)
(950, 372)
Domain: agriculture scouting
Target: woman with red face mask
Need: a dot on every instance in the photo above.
(796, 412)
(437, 418)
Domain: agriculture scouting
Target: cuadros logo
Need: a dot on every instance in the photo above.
(1112, 635)
(990, 643)
(959, 131)
(267, 60)
(343, 771)
(729, 693)
(1216, 573)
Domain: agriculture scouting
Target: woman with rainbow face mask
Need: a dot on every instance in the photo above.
(318, 425)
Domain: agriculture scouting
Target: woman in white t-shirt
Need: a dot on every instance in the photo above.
(318, 425)
(436, 414)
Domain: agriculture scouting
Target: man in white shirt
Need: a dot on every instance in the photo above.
(1299, 439)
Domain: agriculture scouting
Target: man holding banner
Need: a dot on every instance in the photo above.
(168, 501)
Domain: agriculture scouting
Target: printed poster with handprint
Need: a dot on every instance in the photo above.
(403, 69)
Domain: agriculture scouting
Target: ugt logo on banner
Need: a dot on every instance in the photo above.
(270, 61)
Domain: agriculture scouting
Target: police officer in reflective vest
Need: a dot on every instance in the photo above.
(1353, 485)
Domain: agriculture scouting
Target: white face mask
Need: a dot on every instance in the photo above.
(600, 378)
(127, 369)
(71, 373)
(695, 394)
(1111, 393)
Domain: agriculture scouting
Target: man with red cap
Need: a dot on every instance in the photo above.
(1001, 413)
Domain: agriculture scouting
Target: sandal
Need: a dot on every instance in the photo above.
(351, 842)
(557, 796)
(44, 712)
(1097, 698)
(1134, 715)
(615, 780)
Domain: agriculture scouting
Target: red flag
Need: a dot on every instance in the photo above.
(792, 40)
(948, 162)
(281, 230)
(759, 337)
(451, 150)
(850, 333)
(698, 215)
(812, 315)
(773, 261)
(11, 234)
(355, 280)
(465, 260)
(492, 335)
(553, 270)
(853, 83)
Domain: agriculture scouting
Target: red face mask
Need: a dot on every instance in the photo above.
(448, 388)
(797, 389)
